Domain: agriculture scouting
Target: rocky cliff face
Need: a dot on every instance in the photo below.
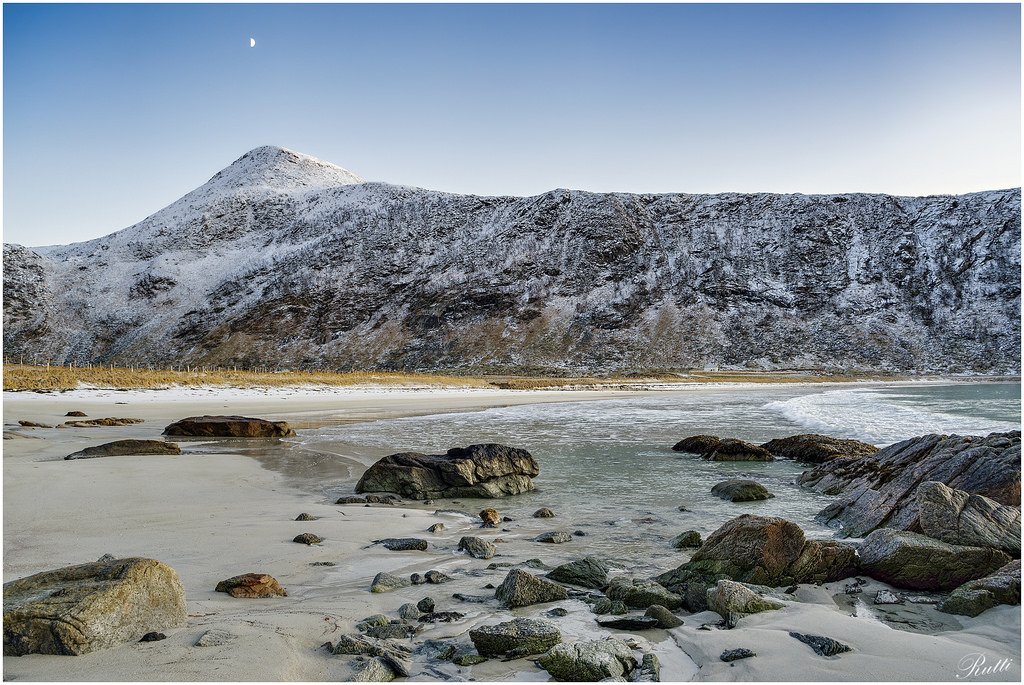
(288, 261)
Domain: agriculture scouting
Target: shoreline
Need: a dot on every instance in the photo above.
(215, 514)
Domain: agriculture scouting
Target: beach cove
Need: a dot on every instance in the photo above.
(223, 508)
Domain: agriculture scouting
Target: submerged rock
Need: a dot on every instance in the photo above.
(740, 490)
(556, 537)
(697, 444)
(252, 586)
(588, 572)
(126, 447)
(976, 596)
(738, 450)
(519, 637)
(436, 528)
(487, 470)
(543, 513)
(403, 544)
(960, 518)
(490, 518)
(881, 489)
(229, 427)
(916, 562)
(685, 540)
(520, 589)
(589, 661)
(84, 608)
(817, 449)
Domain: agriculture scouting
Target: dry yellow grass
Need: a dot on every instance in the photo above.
(27, 377)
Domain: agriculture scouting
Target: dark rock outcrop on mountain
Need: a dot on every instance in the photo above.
(880, 491)
(287, 261)
(488, 470)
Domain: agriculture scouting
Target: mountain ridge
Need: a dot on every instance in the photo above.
(282, 259)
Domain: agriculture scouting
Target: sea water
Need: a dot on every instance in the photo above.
(608, 469)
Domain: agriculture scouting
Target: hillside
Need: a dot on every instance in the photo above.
(287, 261)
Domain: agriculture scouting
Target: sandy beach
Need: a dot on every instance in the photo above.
(213, 515)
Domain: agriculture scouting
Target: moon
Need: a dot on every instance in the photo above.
(252, 42)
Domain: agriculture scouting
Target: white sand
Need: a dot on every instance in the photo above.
(214, 516)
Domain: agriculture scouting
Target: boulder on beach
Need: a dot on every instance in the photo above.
(738, 450)
(109, 421)
(487, 470)
(229, 427)
(732, 600)
(403, 544)
(308, 539)
(33, 424)
(252, 586)
(126, 447)
(976, 596)
(387, 582)
(880, 490)
(629, 623)
(741, 490)
(763, 550)
(477, 547)
(811, 448)
(589, 661)
(665, 618)
(636, 593)
(83, 608)
(76, 413)
(588, 572)
(555, 537)
(822, 646)
(960, 518)
(917, 562)
(518, 638)
(521, 588)
(697, 444)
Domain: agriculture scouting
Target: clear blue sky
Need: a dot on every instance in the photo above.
(113, 111)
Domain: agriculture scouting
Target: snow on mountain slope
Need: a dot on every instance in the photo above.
(284, 260)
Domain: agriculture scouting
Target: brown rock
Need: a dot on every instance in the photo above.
(738, 450)
(33, 424)
(252, 586)
(76, 413)
(490, 517)
(698, 444)
(811, 448)
(229, 427)
(110, 421)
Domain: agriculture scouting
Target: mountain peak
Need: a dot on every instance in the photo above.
(282, 169)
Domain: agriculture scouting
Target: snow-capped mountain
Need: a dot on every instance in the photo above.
(287, 261)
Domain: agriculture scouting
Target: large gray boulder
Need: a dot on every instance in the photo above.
(80, 609)
(812, 448)
(229, 427)
(880, 490)
(763, 550)
(916, 562)
(976, 596)
(640, 594)
(520, 589)
(960, 518)
(518, 637)
(731, 600)
(487, 470)
(589, 661)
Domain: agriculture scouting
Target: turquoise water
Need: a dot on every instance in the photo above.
(610, 462)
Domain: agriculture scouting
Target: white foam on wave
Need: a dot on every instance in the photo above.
(877, 418)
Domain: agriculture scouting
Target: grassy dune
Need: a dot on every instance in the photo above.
(28, 377)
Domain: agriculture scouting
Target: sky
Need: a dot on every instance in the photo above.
(112, 112)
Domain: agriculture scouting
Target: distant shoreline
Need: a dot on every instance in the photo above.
(29, 378)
